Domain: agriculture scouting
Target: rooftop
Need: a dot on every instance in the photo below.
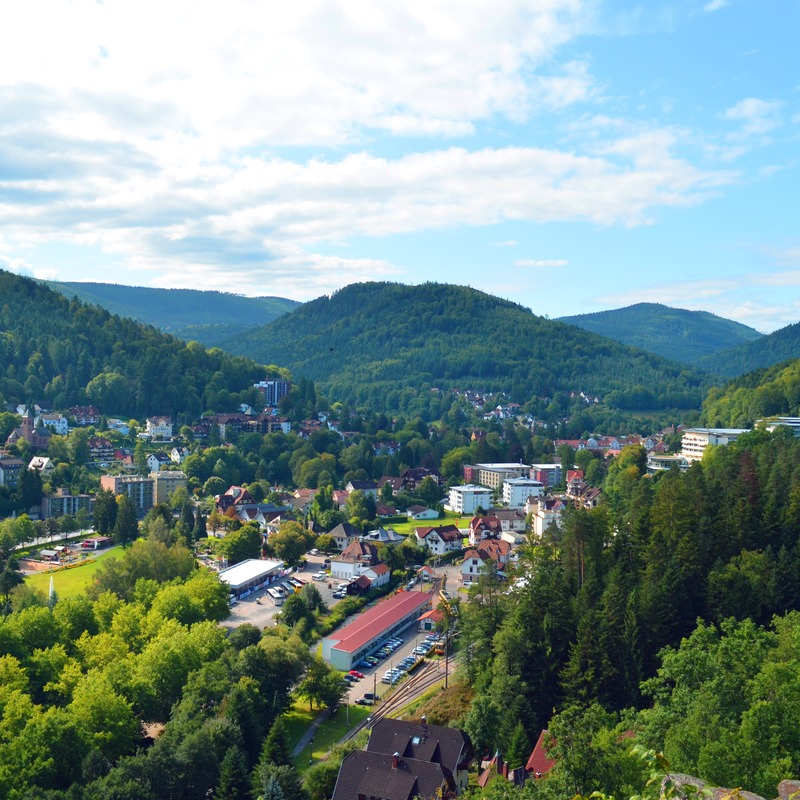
(377, 619)
(470, 487)
(246, 571)
(512, 465)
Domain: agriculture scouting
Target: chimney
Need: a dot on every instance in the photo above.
(395, 760)
(505, 770)
(424, 719)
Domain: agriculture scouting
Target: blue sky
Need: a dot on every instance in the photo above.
(569, 155)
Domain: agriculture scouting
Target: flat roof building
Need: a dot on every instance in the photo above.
(517, 490)
(659, 462)
(466, 499)
(166, 482)
(348, 645)
(773, 423)
(140, 490)
(493, 475)
(250, 575)
(695, 440)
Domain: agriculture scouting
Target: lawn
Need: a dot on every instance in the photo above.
(406, 528)
(299, 718)
(68, 582)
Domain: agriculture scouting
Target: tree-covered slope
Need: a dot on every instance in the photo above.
(670, 332)
(764, 352)
(772, 391)
(383, 344)
(55, 349)
(203, 316)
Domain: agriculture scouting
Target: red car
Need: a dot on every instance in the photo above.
(355, 674)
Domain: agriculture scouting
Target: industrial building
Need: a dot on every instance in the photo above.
(251, 575)
(347, 646)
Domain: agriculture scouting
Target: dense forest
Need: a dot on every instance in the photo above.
(64, 351)
(772, 391)
(385, 345)
(669, 332)
(207, 317)
(779, 346)
(602, 615)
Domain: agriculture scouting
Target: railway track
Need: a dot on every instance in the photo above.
(429, 675)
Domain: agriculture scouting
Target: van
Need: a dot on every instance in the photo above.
(370, 696)
(314, 552)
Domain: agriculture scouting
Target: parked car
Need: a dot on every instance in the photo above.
(356, 674)
(365, 701)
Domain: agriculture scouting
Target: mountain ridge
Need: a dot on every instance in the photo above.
(674, 333)
(369, 343)
(206, 316)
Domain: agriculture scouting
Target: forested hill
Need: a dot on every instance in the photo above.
(671, 332)
(779, 346)
(55, 349)
(386, 345)
(207, 317)
(772, 391)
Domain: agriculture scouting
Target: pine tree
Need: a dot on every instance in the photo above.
(519, 749)
(126, 527)
(277, 747)
(199, 531)
(233, 784)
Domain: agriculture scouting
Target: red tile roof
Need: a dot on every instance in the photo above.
(539, 761)
(377, 619)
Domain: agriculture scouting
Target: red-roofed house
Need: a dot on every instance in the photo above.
(481, 528)
(540, 763)
(427, 622)
(379, 574)
(440, 540)
(475, 559)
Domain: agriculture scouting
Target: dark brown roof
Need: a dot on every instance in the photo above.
(422, 742)
(373, 774)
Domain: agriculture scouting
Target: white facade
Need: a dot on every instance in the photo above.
(517, 490)
(695, 440)
(56, 421)
(344, 570)
(437, 545)
(466, 499)
(426, 513)
(549, 513)
(659, 462)
(159, 426)
(119, 425)
(773, 423)
(378, 575)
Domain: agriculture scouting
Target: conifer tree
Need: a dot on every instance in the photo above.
(277, 747)
(233, 784)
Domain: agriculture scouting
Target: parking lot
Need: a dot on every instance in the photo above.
(371, 682)
(258, 609)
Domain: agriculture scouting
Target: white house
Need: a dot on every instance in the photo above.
(119, 425)
(550, 512)
(440, 540)
(56, 421)
(696, 440)
(466, 499)
(421, 513)
(476, 559)
(179, 454)
(159, 427)
(517, 490)
(156, 460)
(42, 464)
(378, 575)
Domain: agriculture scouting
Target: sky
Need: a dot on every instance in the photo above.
(570, 155)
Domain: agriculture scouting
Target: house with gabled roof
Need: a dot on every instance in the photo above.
(406, 760)
(439, 540)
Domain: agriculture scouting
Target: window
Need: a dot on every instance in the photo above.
(415, 740)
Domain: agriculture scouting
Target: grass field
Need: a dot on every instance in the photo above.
(299, 718)
(406, 528)
(69, 582)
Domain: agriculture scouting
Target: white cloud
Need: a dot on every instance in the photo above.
(294, 73)
(528, 262)
(21, 267)
(758, 117)
(509, 243)
(714, 5)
